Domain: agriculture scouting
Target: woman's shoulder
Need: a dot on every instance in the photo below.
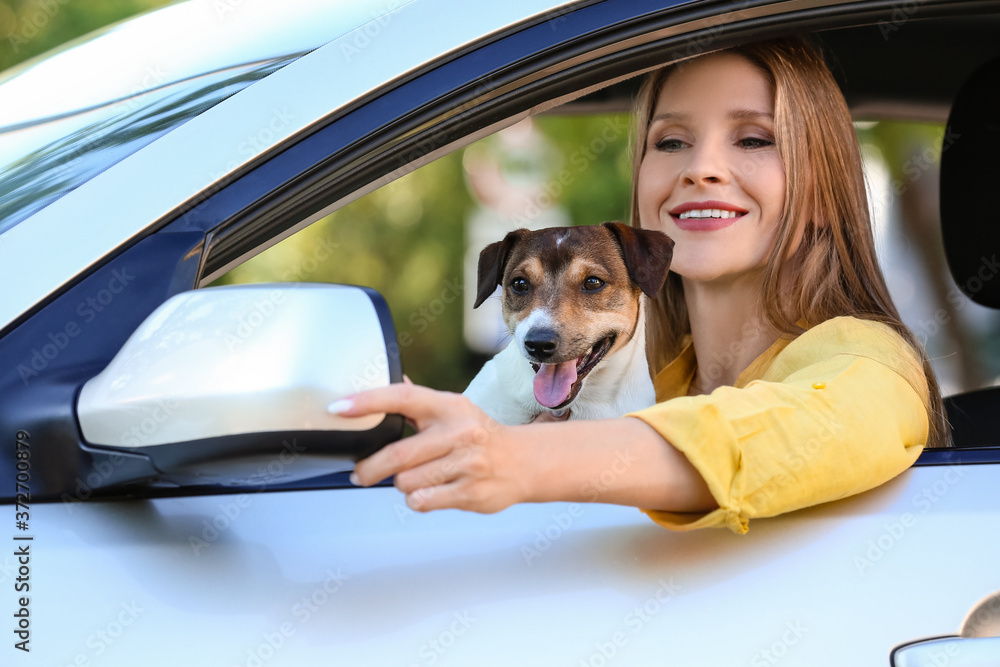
(852, 336)
(849, 332)
(847, 328)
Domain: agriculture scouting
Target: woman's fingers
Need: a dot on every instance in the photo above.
(399, 456)
(410, 400)
(445, 423)
(460, 493)
(458, 458)
(444, 496)
(414, 403)
(436, 472)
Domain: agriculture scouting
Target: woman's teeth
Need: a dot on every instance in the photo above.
(707, 213)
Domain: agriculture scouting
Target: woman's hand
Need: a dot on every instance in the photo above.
(459, 457)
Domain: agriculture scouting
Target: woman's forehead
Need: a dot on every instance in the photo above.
(724, 81)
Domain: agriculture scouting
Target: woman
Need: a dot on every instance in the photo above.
(784, 376)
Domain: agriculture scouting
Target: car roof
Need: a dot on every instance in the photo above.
(178, 42)
(156, 71)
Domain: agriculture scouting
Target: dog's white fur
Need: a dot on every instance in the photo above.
(618, 385)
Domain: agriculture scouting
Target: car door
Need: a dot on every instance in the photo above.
(316, 571)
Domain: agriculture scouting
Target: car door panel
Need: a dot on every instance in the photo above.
(562, 582)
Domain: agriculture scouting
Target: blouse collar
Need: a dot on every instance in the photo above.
(675, 378)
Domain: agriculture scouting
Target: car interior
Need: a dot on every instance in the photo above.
(969, 247)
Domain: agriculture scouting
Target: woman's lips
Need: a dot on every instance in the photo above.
(704, 224)
(705, 215)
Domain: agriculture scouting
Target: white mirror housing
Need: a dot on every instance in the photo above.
(224, 374)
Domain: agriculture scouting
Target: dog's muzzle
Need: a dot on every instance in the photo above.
(556, 384)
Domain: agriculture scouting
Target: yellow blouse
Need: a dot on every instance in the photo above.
(836, 411)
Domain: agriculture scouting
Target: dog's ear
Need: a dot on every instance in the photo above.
(647, 255)
(492, 261)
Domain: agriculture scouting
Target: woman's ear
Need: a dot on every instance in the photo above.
(813, 220)
(817, 215)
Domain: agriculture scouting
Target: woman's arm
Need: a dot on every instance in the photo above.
(460, 458)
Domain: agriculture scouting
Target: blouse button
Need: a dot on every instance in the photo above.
(819, 385)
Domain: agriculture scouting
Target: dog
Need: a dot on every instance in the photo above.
(572, 302)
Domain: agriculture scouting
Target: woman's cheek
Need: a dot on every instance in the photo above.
(653, 189)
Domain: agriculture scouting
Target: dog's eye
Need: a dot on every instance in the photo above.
(591, 283)
(519, 285)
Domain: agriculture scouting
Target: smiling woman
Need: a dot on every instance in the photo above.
(788, 290)
(776, 109)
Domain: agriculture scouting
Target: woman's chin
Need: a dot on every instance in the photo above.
(721, 277)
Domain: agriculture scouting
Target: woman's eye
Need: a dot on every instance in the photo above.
(755, 142)
(669, 145)
(519, 285)
(592, 283)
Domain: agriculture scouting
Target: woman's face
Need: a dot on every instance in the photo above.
(711, 177)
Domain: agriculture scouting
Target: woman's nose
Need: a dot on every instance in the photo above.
(706, 164)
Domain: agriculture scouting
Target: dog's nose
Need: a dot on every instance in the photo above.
(541, 343)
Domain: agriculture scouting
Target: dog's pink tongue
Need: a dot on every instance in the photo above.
(553, 382)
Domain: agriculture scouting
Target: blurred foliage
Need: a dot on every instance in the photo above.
(597, 154)
(908, 148)
(32, 27)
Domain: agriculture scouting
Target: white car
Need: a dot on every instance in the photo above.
(160, 510)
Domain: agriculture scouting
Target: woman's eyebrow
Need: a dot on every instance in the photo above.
(735, 114)
(749, 114)
(670, 115)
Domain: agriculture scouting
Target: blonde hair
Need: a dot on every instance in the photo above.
(835, 270)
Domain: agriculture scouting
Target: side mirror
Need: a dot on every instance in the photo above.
(952, 651)
(229, 386)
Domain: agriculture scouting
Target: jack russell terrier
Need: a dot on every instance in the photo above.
(572, 303)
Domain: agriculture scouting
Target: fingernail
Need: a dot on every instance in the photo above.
(340, 406)
(354, 479)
